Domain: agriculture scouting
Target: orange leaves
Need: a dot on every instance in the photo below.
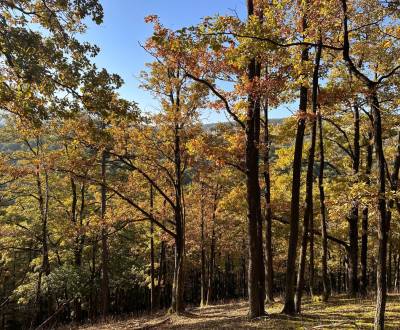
(151, 19)
(309, 116)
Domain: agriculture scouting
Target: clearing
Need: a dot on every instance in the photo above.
(338, 313)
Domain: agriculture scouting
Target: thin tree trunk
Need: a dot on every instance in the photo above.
(152, 286)
(43, 203)
(78, 246)
(353, 218)
(324, 234)
(364, 250)
(203, 252)
(308, 211)
(289, 306)
(178, 303)
(353, 250)
(389, 277)
(364, 235)
(312, 262)
(160, 278)
(269, 271)
(383, 225)
(105, 286)
(397, 275)
(211, 264)
(93, 295)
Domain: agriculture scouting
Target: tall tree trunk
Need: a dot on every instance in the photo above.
(160, 278)
(353, 250)
(256, 278)
(152, 276)
(78, 248)
(203, 251)
(364, 250)
(393, 178)
(289, 306)
(383, 225)
(105, 285)
(324, 234)
(93, 295)
(389, 276)
(364, 235)
(43, 203)
(178, 303)
(269, 271)
(308, 211)
(397, 274)
(353, 218)
(211, 263)
(312, 262)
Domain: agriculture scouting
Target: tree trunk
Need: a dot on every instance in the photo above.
(289, 306)
(389, 277)
(397, 274)
(364, 250)
(178, 303)
(105, 286)
(203, 252)
(160, 278)
(211, 263)
(383, 224)
(152, 276)
(353, 250)
(269, 271)
(93, 295)
(364, 235)
(43, 203)
(312, 262)
(78, 248)
(308, 211)
(353, 218)
(256, 278)
(324, 234)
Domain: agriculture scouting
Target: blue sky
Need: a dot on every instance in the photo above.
(123, 28)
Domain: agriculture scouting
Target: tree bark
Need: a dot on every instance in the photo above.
(203, 252)
(389, 276)
(354, 215)
(308, 210)
(324, 234)
(211, 263)
(43, 204)
(269, 271)
(364, 234)
(312, 262)
(178, 303)
(105, 285)
(289, 305)
(256, 278)
(383, 225)
(152, 275)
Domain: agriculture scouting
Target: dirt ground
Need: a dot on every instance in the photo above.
(339, 313)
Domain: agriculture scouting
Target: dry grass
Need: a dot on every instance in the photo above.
(339, 313)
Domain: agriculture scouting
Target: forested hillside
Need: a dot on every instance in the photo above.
(109, 211)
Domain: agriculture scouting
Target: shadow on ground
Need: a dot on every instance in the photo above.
(339, 312)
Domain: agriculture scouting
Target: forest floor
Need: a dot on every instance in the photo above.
(339, 312)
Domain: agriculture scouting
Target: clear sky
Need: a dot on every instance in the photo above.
(123, 28)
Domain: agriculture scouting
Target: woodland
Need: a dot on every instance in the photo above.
(110, 211)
